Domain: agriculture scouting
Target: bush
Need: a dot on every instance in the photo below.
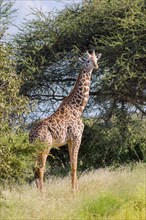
(17, 157)
(113, 144)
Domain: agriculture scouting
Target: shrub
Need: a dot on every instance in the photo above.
(17, 157)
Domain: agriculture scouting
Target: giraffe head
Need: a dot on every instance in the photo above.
(90, 62)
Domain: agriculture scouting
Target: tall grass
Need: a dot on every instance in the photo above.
(103, 194)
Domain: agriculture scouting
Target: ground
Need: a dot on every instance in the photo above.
(111, 194)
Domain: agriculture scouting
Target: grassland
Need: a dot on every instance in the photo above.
(105, 194)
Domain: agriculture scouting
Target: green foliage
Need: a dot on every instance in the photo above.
(6, 15)
(124, 52)
(47, 56)
(12, 104)
(13, 146)
(110, 145)
(17, 157)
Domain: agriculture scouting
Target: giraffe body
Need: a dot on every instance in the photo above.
(56, 130)
(65, 126)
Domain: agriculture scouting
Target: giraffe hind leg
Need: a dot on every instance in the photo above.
(39, 170)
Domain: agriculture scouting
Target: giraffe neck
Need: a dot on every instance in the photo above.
(79, 96)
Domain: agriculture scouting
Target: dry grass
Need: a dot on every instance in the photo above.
(103, 194)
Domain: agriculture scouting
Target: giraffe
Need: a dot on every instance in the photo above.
(65, 125)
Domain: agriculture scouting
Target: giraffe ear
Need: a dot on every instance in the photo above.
(98, 56)
(93, 53)
(88, 54)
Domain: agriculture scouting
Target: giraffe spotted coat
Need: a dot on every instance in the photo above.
(65, 126)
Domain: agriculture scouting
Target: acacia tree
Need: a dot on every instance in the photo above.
(49, 46)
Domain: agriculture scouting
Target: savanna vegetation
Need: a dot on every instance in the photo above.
(38, 67)
(103, 194)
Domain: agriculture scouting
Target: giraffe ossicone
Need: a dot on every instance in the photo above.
(65, 125)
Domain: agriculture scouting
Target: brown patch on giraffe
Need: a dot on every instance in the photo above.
(78, 101)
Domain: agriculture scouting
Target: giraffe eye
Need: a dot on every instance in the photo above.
(88, 61)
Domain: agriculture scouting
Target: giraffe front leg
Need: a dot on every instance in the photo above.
(73, 152)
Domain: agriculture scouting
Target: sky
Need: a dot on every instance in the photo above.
(24, 6)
